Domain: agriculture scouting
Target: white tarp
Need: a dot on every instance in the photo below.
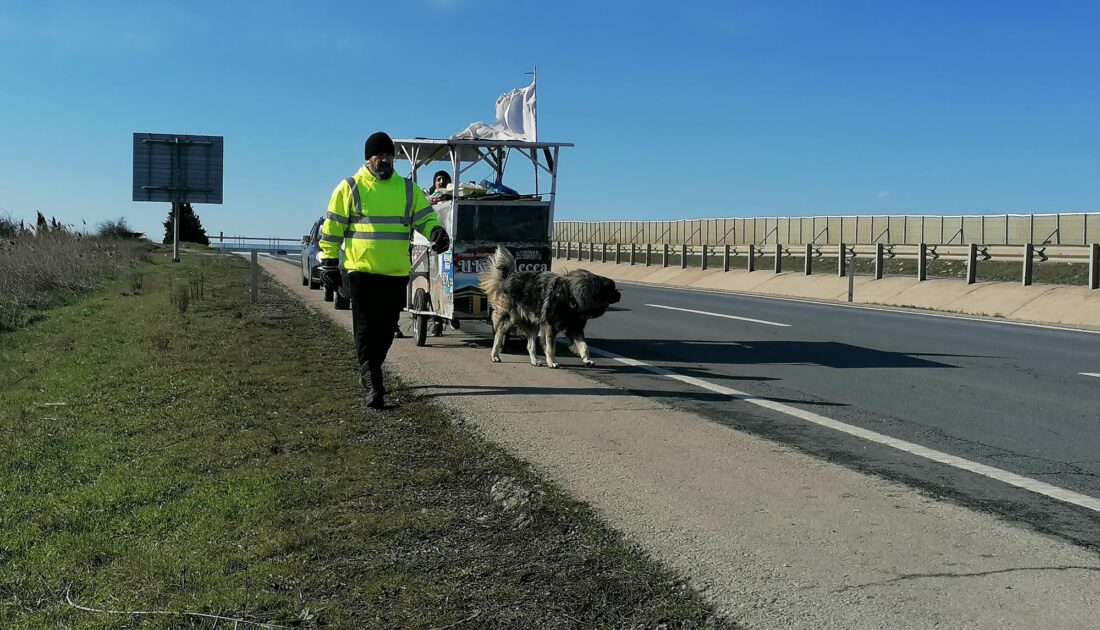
(516, 119)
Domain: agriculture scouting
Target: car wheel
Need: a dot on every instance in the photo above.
(305, 281)
(328, 294)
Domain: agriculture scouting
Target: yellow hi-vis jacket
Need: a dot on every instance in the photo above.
(373, 218)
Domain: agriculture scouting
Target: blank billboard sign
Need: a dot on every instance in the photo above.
(177, 168)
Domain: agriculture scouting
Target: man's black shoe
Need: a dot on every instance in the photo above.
(371, 381)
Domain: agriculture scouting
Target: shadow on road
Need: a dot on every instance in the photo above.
(764, 352)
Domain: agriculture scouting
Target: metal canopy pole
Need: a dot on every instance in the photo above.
(553, 191)
(535, 161)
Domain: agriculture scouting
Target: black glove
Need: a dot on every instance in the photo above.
(440, 241)
(330, 273)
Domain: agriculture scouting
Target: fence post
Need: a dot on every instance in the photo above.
(726, 259)
(648, 252)
(1029, 262)
(568, 250)
(591, 252)
(842, 262)
(878, 260)
(703, 265)
(253, 277)
(603, 252)
(633, 248)
(683, 255)
(852, 272)
(664, 255)
(1094, 266)
(752, 257)
(809, 259)
(778, 258)
(972, 264)
(618, 252)
(922, 262)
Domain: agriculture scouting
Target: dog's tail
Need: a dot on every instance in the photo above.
(497, 268)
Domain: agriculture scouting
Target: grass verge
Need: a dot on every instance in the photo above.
(206, 455)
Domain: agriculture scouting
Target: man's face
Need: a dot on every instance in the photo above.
(381, 165)
(440, 181)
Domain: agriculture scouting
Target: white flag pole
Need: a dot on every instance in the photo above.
(534, 118)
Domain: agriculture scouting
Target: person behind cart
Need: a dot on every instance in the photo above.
(372, 213)
(440, 181)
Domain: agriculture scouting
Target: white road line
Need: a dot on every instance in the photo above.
(1089, 374)
(744, 319)
(866, 307)
(1013, 479)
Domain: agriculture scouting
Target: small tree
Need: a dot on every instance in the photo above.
(116, 228)
(191, 230)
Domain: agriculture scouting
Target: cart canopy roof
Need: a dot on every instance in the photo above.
(422, 151)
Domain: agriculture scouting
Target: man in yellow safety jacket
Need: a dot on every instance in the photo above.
(371, 214)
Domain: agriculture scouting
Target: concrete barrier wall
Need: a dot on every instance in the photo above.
(1005, 229)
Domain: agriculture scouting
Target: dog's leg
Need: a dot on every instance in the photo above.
(500, 332)
(533, 347)
(580, 347)
(548, 346)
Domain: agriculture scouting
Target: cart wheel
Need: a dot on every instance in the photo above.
(513, 342)
(420, 325)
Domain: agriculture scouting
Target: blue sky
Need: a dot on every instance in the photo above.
(677, 109)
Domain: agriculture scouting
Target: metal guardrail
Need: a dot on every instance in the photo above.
(1026, 255)
(269, 244)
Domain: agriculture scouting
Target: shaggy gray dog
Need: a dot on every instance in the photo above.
(543, 303)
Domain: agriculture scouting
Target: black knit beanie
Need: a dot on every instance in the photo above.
(377, 143)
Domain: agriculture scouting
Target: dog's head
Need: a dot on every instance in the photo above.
(591, 293)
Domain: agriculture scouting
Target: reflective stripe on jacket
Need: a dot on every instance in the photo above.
(372, 217)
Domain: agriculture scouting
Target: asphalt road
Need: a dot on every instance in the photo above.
(1023, 400)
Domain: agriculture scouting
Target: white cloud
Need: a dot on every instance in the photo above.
(883, 194)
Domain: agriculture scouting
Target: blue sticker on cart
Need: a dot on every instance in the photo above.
(445, 257)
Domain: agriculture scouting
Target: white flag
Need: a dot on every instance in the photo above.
(516, 119)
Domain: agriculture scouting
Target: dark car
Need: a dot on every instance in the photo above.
(311, 257)
(311, 267)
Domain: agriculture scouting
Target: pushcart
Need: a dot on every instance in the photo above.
(443, 288)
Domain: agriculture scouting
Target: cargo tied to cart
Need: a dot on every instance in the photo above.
(443, 288)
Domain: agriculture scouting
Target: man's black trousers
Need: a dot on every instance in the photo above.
(376, 303)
